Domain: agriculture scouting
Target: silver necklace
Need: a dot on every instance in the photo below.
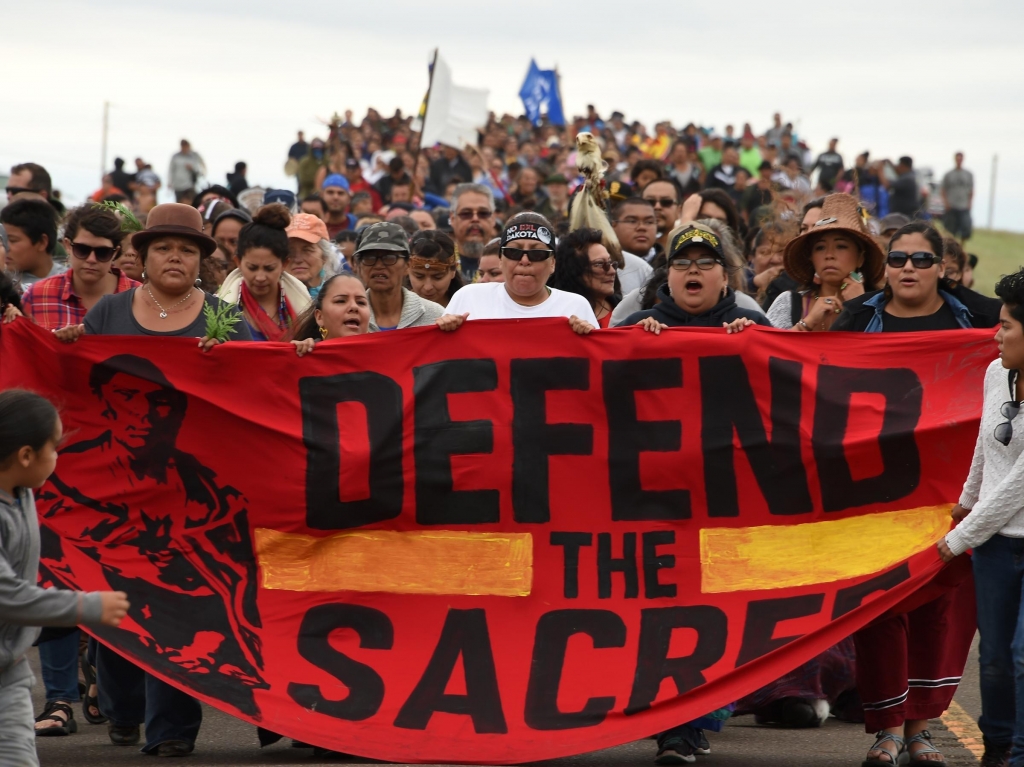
(163, 312)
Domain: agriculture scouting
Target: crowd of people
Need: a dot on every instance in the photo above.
(700, 229)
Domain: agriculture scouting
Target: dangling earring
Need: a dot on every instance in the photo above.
(323, 333)
(198, 282)
(143, 275)
(817, 279)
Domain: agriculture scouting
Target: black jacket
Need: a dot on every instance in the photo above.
(984, 310)
(668, 313)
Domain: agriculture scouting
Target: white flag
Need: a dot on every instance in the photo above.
(454, 113)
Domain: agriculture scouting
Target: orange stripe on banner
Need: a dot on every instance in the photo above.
(783, 556)
(413, 562)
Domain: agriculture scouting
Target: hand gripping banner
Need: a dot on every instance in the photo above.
(502, 544)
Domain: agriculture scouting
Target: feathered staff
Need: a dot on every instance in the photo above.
(588, 205)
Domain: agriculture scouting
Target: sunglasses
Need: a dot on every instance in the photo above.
(603, 266)
(467, 214)
(1004, 431)
(922, 260)
(704, 264)
(516, 254)
(389, 259)
(83, 251)
(665, 202)
(13, 190)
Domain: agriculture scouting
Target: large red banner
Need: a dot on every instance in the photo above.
(506, 543)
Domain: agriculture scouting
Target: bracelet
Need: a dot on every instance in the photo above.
(804, 325)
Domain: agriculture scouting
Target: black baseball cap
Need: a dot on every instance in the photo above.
(690, 237)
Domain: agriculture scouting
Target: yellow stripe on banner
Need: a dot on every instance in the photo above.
(783, 556)
(414, 562)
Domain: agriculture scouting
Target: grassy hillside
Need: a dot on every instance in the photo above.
(998, 253)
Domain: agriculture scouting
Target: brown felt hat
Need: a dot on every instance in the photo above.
(173, 218)
(840, 212)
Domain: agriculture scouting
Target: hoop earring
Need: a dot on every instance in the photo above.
(323, 333)
(198, 282)
(143, 275)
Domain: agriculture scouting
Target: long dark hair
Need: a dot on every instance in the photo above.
(572, 263)
(26, 420)
(9, 294)
(306, 325)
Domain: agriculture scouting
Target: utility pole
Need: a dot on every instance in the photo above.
(992, 190)
(106, 124)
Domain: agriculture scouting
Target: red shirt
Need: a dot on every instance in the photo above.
(53, 304)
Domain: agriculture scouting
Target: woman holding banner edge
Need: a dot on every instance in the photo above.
(902, 689)
(991, 522)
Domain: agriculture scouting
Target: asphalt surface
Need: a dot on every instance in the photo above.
(225, 740)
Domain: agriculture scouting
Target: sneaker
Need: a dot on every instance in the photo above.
(675, 751)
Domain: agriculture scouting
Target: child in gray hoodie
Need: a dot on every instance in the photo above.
(30, 430)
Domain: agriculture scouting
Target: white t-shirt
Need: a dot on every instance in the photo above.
(634, 274)
(490, 301)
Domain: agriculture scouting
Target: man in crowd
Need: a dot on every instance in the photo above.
(145, 186)
(336, 196)
(711, 154)
(636, 226)
(122, 179)
(750, 155)
(31, 227)
(758, 194)
(473, 225)
(723, 175)
(29, 177)
(556, 206)
(527, 193)
(237, 182)
(451, 165)
(957, 197)
(829, 166)
(666, 199)
(683, 169)
(313, 205)
(905, 192)
(186, 168)
(396, 175)
(299, 149)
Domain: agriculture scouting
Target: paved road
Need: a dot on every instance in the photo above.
(225, 740)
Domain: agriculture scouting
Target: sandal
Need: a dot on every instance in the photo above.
(925, 739)
(90, 703)
(890, 759)
(63, 725)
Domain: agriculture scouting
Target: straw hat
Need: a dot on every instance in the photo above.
(840, 212)
(175, 219)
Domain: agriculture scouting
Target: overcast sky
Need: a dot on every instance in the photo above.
(238, 79)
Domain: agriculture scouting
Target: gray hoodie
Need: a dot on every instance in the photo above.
(416, 312)
(23, 605)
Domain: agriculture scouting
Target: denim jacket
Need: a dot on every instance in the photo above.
(877, 303)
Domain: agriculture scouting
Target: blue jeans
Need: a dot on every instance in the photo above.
(129, 696)
(999, 582)
(58, 659)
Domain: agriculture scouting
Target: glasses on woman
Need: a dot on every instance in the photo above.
(388, 259)
(83, 251)
(897, 259)
(704, 264)
(603, 266)
(516, 254)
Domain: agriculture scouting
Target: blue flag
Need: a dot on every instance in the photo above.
(540, 92)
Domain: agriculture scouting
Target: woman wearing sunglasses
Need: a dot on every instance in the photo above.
(917, 296)
(527, 261)
(92, 237)
(382, 263)
(990, 518)
(909, 664)
(697, 293)
(584, 266)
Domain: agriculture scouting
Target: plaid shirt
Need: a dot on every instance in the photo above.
(53, 304)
